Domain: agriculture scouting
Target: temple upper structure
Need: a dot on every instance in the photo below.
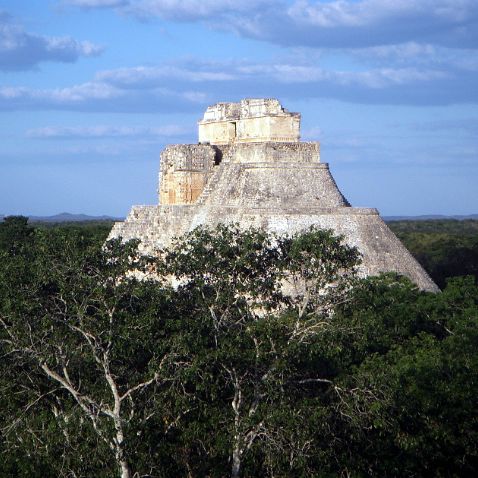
(224, 133)
(250, 168)
(249, 121)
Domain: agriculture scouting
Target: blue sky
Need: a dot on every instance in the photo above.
(92, 90)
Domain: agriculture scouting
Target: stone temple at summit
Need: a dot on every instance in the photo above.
(250, 167)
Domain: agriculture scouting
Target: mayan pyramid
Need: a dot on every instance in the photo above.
(251, 168)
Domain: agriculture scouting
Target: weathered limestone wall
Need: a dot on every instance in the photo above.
(223, 132)
(276, 185)
(184, 172)
(247, 108)
(252, 120)
(222, 112)
(268, 128)
(154, 226)
(251, 130)
(274, 152)
(363, 228)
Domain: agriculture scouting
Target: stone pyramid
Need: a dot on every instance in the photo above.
(251, 168)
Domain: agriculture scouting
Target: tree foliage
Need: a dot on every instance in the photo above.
(268, 357)
(258, 305)
(446, 248)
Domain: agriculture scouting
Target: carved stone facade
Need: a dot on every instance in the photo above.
(185, 170)
(255, 177)
(250, 121)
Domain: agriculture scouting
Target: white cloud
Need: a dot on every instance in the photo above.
(355, 24)
(421, 57)
(82, 92)
(20, 50)
(154, 75)
(196, 9)
(370, 12)
(100, 96)
(189, 86)
(401, 52)
(106, 131)
(321, 24)
(181, 10)
(279, 73)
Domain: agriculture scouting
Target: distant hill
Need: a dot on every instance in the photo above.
(68, 217)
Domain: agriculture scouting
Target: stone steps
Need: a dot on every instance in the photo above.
(211, 185)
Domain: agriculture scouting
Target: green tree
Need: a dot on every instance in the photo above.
(417, 354)
(81, 339)
(257, 304)
(445, 248)
(15, 235)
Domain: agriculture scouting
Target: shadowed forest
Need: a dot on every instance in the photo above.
(269, 358)
(445, 248)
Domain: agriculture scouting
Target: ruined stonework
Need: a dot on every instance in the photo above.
(185, 170)
(250, 121)
(250, 168)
